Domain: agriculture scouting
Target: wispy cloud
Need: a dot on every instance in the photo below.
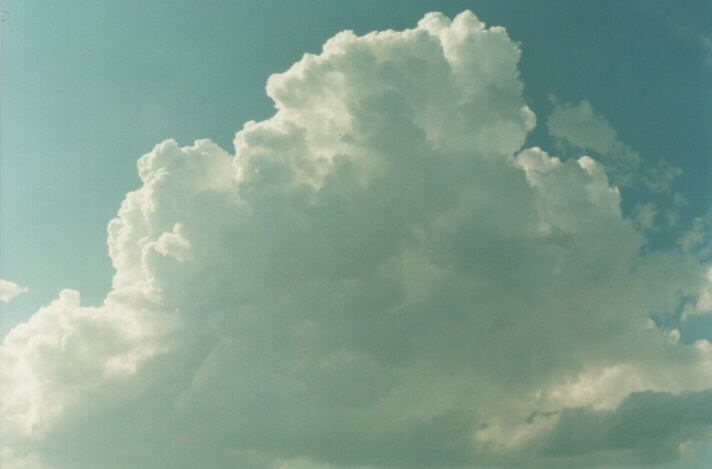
(9, 290)
(578, 128)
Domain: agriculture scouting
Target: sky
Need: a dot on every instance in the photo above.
(256, 234)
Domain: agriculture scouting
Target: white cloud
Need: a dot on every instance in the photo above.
(578, 128)
(645, 217)
(703, 302)
(378, 277)
(698, 239)
(10, 290)
(582, 127)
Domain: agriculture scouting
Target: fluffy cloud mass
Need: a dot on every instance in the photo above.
(9, 290)
(380, 276)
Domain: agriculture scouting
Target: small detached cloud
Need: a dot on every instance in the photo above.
(578, 128)
(10, 290)
(379, 276)
(698, 239)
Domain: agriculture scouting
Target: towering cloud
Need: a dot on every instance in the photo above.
(378, 277)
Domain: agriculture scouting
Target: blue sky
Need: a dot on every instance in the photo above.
(89, 87)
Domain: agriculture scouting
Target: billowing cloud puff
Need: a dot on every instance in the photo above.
(582, 127)
(579, 128)
(9, 290)
(378, 277)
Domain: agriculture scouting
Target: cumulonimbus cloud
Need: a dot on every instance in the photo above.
(378, 277)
